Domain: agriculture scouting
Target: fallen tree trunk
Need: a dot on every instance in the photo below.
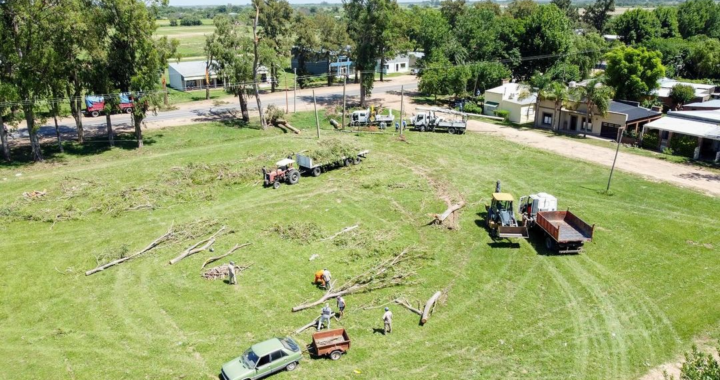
(287, 125)
(194, 249)
(216, 258)
(429, 306)
(309, 325)
(408, 306)
(152, 245)
(377, 277)
(440, 218)
(335, 124)
(344, 230)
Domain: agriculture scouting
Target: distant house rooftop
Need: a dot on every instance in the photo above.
(512, 92)
(632, 110)
(191, 69)
(710, 104)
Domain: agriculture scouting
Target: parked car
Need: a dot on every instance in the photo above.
(414, 71)
(264, 359)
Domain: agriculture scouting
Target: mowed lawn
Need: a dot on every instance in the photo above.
(639, 295)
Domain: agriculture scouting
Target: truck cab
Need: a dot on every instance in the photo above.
(530, 205)
(360, 117)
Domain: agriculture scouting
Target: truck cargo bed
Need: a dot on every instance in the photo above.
(564, 226)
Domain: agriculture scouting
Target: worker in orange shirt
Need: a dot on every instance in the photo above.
(319, 280)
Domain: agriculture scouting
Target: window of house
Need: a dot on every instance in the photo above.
(586, 126)
(547, 119)
(402, 65)
(386, 67)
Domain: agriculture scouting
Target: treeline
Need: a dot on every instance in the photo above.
(54, 52)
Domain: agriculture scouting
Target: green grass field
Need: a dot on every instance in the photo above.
(639, 295)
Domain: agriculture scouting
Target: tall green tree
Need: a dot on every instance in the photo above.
(489, 5)
(366, 21)
(696, 17)
(487, 36)
(276, 22)
(586, 51)
(675, 52)
(634, 73)
(682, 94)
(704, 58)
(599, 13)
(668, 21)
(432, 29)
(521, 9)
(570, 10)
(333, 38)
(234, 58)
(452, 10)
(559, 94)
(307, 43)
(637, 26)
(27, 57)
(551, 36)
(486, 75)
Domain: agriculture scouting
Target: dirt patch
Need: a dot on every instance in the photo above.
(672, 368)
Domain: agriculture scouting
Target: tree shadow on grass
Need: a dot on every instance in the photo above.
(22, 155)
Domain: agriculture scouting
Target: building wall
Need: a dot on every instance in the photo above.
(176, 80)
(519, 114)
(401, 65)
(547, 107)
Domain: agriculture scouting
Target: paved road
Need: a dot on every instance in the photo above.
(204, 109)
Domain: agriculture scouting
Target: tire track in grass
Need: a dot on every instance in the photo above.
(582, 322)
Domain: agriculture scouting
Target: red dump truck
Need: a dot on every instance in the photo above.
(95, 105)
(564, 231)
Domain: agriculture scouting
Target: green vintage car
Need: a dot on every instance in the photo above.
(264, 359)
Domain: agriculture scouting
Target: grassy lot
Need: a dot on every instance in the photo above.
(643, 290)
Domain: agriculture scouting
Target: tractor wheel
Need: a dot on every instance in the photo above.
(335, 355)
(95, 113)
(346, 162)
(316, 171)
(383, 125)
(276, 185)
(356, 161)
(293, 177)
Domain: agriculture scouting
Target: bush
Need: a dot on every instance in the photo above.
(668, 151)
(683, 145)
(190, 21)
(503, 114)
(651, 140)
(471, 107)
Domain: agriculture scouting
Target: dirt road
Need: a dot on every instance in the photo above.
(652, 169)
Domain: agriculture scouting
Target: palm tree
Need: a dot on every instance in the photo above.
(596, 96)
(559, 94)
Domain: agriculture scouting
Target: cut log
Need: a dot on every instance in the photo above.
(428, 307)
(287, 125)
(309, 325)
(216, 258)
(194, 249)
(335, 124)
(440, 218)
(344, 230)
(152, 245)
(378, 277)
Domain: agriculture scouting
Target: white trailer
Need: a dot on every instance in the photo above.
(308, 165)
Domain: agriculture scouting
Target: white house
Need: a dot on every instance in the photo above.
(703, 92)
(399, 64)
(515, 98)
(190, 75)
(703, 125)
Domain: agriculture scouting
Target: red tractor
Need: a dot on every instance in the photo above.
(284, 172)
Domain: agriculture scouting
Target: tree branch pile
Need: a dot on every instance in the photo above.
(221, 271)
(387, 274)
(196, 247)
(152, 245)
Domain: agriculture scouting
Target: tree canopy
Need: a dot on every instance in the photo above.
(634, 73)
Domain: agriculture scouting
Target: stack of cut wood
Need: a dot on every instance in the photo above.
(221, 271)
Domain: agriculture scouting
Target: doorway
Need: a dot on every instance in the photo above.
(573, 123)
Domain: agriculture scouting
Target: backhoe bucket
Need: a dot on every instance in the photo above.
(513, 232)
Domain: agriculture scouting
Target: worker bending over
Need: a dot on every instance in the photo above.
(325, 315)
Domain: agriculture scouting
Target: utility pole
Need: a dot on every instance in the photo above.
(620, 131)
(343, 111)
(317, 120)
(295, 93)
(287, 110)
(402, 108)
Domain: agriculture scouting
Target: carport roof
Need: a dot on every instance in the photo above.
(690, 127)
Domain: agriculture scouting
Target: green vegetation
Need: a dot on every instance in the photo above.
(636, 298)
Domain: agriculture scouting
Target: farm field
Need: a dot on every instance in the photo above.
(639, 296)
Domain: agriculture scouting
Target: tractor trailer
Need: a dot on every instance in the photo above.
(564, 231)
(308, 165)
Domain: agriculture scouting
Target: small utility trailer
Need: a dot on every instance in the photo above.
(564, 231)
(308, 165)
(332, 343)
